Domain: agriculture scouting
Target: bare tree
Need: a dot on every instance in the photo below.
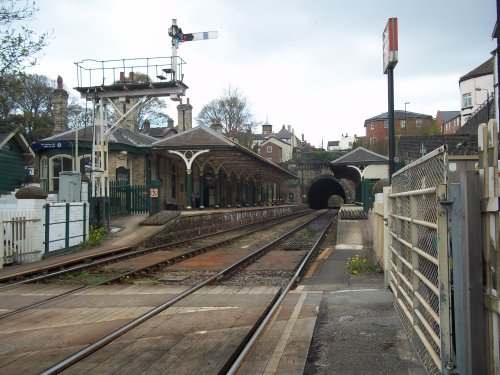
(232, 110)
(19, 46)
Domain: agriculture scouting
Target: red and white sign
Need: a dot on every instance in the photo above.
(390, 40)
(153, 192)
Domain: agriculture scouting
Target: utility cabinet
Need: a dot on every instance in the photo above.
(70, 184)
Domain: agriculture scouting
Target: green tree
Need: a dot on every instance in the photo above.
(27, 105)
(232, 110)
(19, 46)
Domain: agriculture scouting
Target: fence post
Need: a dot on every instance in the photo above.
(2, 240)
(66, 239)
(444, 282)
(84, 221)
(47, 227)
(469, 313)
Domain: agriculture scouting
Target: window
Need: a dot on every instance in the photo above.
(372, 125)
(402, 124)
(386, 124)
(467, 100)
(418, 122)
(269, 149)
(58, 164)
(44, 172)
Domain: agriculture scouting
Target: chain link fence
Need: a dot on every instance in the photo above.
(418, 257)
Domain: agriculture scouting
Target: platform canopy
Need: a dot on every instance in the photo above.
(222, 153)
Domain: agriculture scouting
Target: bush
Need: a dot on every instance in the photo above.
(96, 236)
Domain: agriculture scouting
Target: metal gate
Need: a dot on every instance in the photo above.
(418, 255)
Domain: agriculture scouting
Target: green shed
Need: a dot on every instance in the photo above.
(14, 151)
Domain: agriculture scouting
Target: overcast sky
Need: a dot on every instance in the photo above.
(314, 65)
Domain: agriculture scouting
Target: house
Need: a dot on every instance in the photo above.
(346, 143)
(15, 155)
(449, 121)
(405, 122)
(476, 87)
(284, 139)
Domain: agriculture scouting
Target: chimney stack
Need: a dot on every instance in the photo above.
(60, 107)
(216, 125)
(185, 116)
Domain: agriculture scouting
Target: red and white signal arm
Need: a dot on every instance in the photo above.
(390, 40)
(153, 192)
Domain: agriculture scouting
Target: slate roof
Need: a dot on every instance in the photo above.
(223, 151)
(398, 114)
(120, 135)
(332, 143)
(282, 134)
(360, 155)
(159, 132)
(200, 136)
(484, 69)
(447, 116)
(408, 147)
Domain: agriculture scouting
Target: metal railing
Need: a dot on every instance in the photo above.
(95, 73)
(418, 257)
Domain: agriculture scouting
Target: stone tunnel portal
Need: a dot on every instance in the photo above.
(321, 189)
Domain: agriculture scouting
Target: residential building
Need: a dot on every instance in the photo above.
(268, 143)
(475, 88)
(346, 143)
(405, 123)
(449, 121)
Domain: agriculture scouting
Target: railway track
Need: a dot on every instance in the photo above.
(302, 241)
(96, 273)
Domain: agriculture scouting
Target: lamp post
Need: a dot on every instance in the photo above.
(487, 99)
(405, 115)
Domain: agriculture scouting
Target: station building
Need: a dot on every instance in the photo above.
(191, 167)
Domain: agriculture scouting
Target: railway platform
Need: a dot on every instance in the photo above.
(332, 323)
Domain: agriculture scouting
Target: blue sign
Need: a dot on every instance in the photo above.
(50, 145)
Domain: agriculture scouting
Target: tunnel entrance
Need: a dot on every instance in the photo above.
(324, 192)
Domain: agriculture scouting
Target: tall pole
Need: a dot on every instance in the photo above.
(390, 82)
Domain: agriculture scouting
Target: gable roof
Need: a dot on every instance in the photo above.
(19, 138)
(361, 155)
(222, 152)
(484, 69)
(200, 136)
(275, 141)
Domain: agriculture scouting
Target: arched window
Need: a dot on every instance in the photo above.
(58, 164)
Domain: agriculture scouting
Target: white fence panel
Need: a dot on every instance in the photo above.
(18, 236)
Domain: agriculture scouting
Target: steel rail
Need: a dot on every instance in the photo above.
(263, 324)
(105, 340)
(125, 252)
(173, 260)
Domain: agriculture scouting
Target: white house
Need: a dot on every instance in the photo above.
(475, 87)
(346, 142)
